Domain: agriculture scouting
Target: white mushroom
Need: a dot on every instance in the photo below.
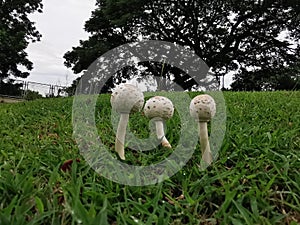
(125, 99)
(159, 108)
(203, 108)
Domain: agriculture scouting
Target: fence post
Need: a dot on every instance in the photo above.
(51, 91)
(24, 88)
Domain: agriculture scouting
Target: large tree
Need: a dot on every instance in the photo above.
(229, 35)
(16, 32)
(287, 78)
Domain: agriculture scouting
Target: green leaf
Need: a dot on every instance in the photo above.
(101, 218)
(39, 205)
(8, 210)
(244, 212)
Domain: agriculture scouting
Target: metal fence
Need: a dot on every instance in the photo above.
(20, 89)
(46, 90)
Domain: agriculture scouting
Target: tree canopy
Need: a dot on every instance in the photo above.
(16, 32)
(252, 37)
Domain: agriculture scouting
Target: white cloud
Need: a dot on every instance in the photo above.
(62, 26)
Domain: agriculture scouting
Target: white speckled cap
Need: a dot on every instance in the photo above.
(159, 107)
(203, 108)
(127, 98)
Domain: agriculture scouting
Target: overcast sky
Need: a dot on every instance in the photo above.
(61, 25)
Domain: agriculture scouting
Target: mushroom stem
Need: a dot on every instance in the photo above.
(121, 132)
(205, 148)
(161, 134)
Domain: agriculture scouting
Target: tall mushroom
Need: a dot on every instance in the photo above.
(125, 99)
(159, 108)
(202, 109)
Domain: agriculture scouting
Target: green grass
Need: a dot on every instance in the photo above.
(256, 179)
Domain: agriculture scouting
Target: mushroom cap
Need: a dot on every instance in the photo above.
(127, 98)
(203, 108)
(159, 107)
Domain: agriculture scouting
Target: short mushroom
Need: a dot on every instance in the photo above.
(203, 108)
(159, 109)
(125, 99)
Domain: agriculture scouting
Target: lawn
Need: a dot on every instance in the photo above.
(255, 180)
